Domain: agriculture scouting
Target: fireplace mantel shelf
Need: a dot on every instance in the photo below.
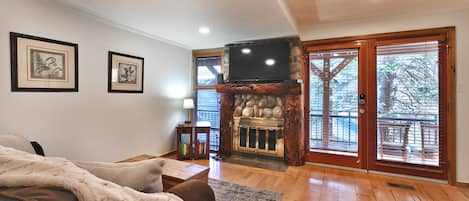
(261, 88)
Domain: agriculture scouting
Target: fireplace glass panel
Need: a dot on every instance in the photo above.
(272, 140)
(252, 138)
(243, 132)
(262, 139)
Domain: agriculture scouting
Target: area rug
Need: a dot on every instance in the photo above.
(226, 191)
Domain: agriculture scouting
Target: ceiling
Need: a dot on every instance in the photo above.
(325, 11)
(178, 21)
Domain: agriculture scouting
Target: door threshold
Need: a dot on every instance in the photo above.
(415, 178)
(337, 167)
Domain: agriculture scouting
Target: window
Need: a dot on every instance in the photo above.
(207, 99)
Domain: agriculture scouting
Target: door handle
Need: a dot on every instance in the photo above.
(361, 99)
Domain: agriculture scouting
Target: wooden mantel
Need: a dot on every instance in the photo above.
(278, 89)
(293, 110)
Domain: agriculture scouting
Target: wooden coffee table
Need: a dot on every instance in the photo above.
(176, 172)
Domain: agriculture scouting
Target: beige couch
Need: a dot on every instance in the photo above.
(143, 176)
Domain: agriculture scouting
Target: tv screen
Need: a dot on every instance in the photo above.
(259, 61)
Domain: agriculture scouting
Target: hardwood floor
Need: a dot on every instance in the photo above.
(318, 183)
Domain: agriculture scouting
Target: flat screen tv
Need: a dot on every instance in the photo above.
(259, 61)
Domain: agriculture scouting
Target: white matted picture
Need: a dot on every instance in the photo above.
(125, 73)
(43, 65)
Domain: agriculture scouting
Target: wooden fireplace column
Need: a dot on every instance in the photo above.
(293, 114)
(226, 119)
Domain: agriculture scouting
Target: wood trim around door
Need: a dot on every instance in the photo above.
(440, 172)
(447, 89)
(452, 105)
(380, 36)
(330, 157)
(214, 52)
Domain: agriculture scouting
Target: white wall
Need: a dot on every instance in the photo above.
(93, 124)
(460, 19)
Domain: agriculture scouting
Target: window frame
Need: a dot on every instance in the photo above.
(203, 53)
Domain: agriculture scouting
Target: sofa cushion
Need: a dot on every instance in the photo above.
(16, 142)
(36, 193)
(144, 176)
(193, 190)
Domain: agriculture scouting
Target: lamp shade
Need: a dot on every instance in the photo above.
(188, 103)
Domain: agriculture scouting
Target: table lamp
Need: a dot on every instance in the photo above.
(188, 105)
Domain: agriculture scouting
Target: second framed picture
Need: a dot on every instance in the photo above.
(125, 73)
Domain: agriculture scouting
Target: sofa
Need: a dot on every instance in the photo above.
(192, 190)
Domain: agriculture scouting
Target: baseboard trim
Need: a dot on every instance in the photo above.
(462, 184)
(167, 154)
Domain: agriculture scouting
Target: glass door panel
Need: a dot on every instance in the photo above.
(407, 121)
(333, 115)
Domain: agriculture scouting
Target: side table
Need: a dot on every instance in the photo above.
(193, 140)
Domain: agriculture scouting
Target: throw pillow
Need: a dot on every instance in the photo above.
(16, 142)
(143, 176)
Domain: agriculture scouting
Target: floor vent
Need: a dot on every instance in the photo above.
(396, 185)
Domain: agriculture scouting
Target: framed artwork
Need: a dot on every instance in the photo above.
(43, 65)
(125, 73)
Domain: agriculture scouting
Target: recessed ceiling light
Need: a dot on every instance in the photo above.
(204, 30)
(270, 62)
(246, 50)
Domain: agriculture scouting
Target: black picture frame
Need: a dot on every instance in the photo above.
(110, 66)
(14, 63)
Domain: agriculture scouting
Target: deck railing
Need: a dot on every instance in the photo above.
(343, 126)
(213, 116)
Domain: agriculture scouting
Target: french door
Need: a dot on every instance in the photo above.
(336, 115)
(409, 111)
(382, 103)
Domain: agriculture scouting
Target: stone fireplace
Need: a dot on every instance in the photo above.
(258, 123)
(262, 119)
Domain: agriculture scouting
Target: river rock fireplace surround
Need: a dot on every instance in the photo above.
(264, 119)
